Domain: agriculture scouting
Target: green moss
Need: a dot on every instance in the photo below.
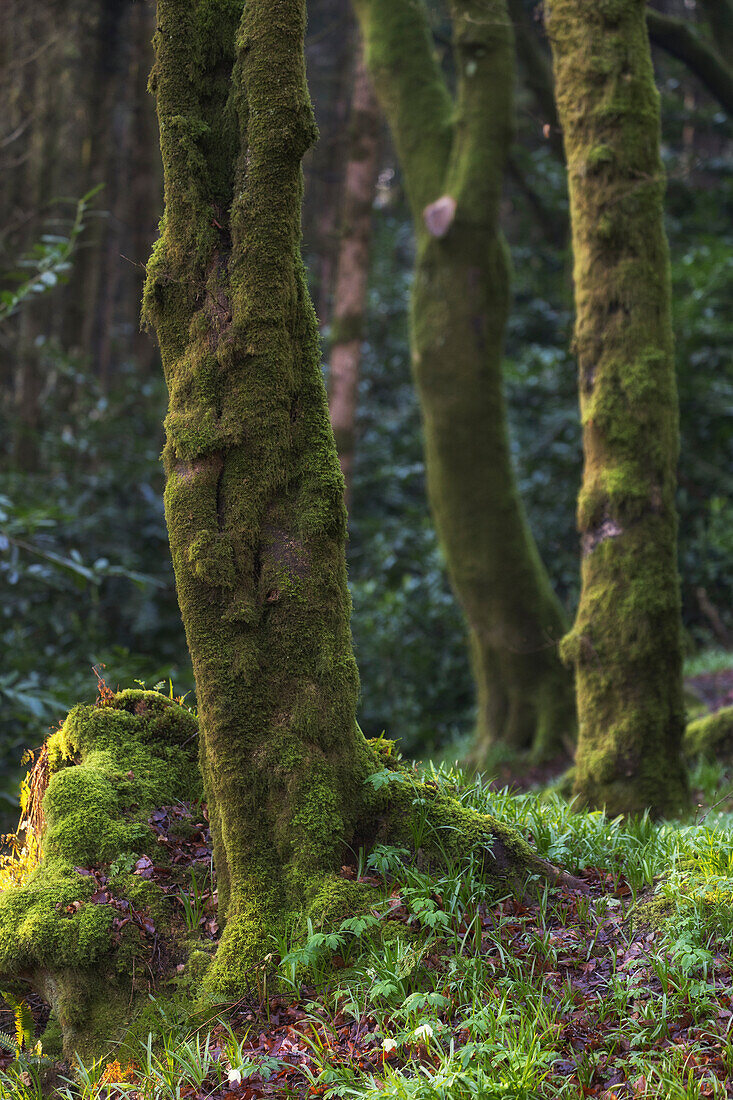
(110, 766)
(254, 495)
(625, 645)
(448, 831)
(655, 913)
(598, 156)
(710, 736)
(336, 899)
(52, 1038)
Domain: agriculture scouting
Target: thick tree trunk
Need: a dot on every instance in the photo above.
(254, 499)
(352, 272)
(625, 644)
(453, 171)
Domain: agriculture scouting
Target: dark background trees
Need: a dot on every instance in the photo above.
(84, 562)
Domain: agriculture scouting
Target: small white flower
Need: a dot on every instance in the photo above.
(234, 1077)
(425, 1031)
(388, 1044)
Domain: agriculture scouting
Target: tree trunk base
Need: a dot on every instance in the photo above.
(93, 928)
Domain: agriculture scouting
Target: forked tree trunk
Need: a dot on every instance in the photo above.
(254, 497)
(453, 157)
(352, 272)
(626, 642)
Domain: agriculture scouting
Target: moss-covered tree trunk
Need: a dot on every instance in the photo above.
(452, 156)
(254, 497)
(352, 271)
(625, 644)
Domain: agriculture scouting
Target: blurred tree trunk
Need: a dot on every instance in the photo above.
(453, 156)
(352, 272)
(682, 40)
(626, 641)
(330, 49)
(719, 14)
(103, 41)
(119, 151)
(40, 69)
(145, 185)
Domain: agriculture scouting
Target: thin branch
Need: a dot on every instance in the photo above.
(682, 41)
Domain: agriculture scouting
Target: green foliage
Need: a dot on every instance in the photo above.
(48, 263)
(84, 560)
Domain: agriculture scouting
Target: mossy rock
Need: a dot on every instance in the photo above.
(110, 766)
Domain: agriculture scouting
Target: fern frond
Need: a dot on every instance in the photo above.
(8, 1042)
(24, 1023)
(25, 1026)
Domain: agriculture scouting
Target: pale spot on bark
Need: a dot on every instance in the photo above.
(609, 529)
(439, 215)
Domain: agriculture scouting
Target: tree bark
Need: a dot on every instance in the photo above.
(626, 641)
(453, 171)
(352, 272)
(254, 497)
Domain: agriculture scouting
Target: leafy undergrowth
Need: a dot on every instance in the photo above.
(445, 991)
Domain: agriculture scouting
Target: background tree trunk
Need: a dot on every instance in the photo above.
(453, 172)
(330, 52)
(626, 643)
(352, 272)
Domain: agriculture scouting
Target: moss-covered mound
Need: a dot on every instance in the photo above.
(110, 767)
(711, 735)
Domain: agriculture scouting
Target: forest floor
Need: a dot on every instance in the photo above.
(446, 990)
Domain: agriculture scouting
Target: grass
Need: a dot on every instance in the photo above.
(708, 661)
(447, 991)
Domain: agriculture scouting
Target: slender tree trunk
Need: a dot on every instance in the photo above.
(453, 169)
(145, 192)
(352, 272)
(626, 641)
(330, 48)
(682, 40)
